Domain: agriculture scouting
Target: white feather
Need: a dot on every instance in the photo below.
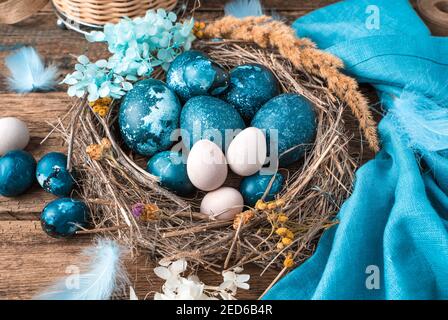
(422, 121)
(28, 72)
(104, 276)
(132, 294)
(243, 8)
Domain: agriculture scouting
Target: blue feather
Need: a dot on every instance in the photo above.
(104, 276)
(277, 16)
(28, 72)
(243, 8)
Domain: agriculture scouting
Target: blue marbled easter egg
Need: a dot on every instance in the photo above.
(171, 168)
(148, 115)
(206, 117)
(251, 86)
(294, 120)
(52, 174)
(17, 173)
(253, 187)
(193, 73)
(61, 217)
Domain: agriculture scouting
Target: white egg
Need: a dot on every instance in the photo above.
(247, 152)
(206, 166)
(222, 204)
(14, 135)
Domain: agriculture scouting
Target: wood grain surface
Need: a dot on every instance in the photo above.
(29, 260)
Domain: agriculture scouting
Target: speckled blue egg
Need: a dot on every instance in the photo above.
(61, 217)
(295, 121)
(52, 174)
(206, 117)
(253, 187)
(193, 73)
(148, 115)
(251, 86)
(17, 173)
(171, 168)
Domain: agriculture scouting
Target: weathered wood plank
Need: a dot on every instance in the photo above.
(30, 261)
(37, 110)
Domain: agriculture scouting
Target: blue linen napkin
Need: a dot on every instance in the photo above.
(392, 239)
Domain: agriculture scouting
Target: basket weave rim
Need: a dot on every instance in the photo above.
(100, 12)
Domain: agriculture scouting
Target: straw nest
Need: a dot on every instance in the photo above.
(113, 180)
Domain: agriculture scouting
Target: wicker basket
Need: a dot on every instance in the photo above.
(99, 12)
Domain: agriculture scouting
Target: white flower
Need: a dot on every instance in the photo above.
(171, 273)
(186, 289)
(191, 289)
(232, 280)
(166, 295)
(177, 287)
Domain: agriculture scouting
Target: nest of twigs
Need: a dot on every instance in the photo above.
(314, 189)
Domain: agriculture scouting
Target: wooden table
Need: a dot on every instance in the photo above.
(29, 259)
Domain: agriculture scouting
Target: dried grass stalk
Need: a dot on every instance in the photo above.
(314, 191)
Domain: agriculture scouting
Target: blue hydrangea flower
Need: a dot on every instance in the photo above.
(137, 47)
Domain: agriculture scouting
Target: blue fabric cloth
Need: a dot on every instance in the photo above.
(394, 225)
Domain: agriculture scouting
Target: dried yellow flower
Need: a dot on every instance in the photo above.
(280, 203)
(95, 152)
(260, 205)
(245, 216)
(106, 101)
(282, 218)
(286, 241)
(271, 205)
(101, 106)
(150, 212)
(281, 231)
(289, 261)
(101, 110)
(280, 246)
(285, 232)
(198, 29)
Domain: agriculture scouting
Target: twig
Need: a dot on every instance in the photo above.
(279, 275)
(55, 127)
(196, 229)
(71, 137)
(101, 230)
(237, 231)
